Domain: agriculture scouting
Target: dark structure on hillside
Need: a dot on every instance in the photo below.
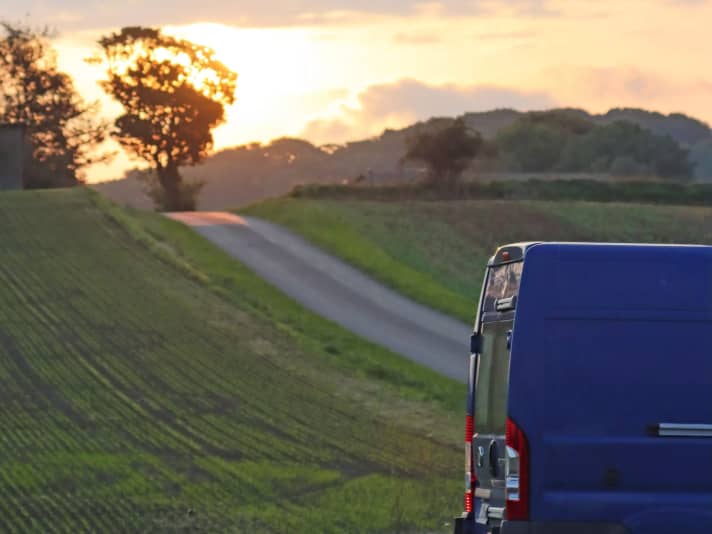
(12, 156)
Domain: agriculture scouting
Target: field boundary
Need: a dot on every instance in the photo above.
(642, 192)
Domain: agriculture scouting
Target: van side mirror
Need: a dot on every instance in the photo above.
(475, 343)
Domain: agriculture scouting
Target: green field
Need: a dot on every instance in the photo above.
(150, 383)
(435, 251)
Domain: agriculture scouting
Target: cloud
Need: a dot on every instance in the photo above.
(617, 83)
(416, 39)
(92, 14)
(407, 101)
(505, 36)
(605, 87)
(402, 103)
(621, 82)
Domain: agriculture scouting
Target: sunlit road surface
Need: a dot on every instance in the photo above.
(337, 291)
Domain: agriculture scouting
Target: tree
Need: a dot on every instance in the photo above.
(701, 158)
(565, 121)
(174, 93)
(598, 150)
(447, 151)
(529, 146)
(535, 141)
(63, 131)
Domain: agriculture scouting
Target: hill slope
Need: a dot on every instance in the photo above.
(238, 176)
(148, 383)
(435, 252)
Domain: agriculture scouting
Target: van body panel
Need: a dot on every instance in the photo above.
(672, 519)
(608, 342)
(538, 527)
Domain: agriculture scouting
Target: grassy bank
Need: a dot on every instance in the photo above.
(151, 383)
(435, 251)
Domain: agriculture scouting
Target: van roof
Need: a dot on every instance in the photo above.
(623, 276)
(526, 245)
(517, 251)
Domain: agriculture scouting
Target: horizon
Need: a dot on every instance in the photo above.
(333, 72)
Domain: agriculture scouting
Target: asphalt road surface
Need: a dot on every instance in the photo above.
(337, 291)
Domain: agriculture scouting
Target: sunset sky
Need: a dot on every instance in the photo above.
(332, 71)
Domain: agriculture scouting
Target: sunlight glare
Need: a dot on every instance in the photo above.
(273, 65)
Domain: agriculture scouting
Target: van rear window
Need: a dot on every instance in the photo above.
(502, 283)
(492, 379)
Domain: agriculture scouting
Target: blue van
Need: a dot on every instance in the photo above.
(589, 404)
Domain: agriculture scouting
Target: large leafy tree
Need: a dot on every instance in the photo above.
(447, 150)
(174, 92)
(63, 131)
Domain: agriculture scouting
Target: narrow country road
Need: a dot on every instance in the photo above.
(337, 291)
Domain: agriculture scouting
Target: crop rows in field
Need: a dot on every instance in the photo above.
(133, 399)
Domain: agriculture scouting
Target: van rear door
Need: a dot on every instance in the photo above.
(490, 417)
(611, 377)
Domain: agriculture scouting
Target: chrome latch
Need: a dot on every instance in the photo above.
(511, 483)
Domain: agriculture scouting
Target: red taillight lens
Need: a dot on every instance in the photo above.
(468, 502)
(470, 478)
(517, 473)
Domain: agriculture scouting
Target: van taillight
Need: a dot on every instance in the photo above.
(517, 473)
(470, 478)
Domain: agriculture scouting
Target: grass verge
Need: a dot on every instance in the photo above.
(435, 251)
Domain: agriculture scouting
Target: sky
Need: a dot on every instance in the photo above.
(332, 71)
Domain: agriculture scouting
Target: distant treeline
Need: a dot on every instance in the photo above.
(619, 143)
(564, 141)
